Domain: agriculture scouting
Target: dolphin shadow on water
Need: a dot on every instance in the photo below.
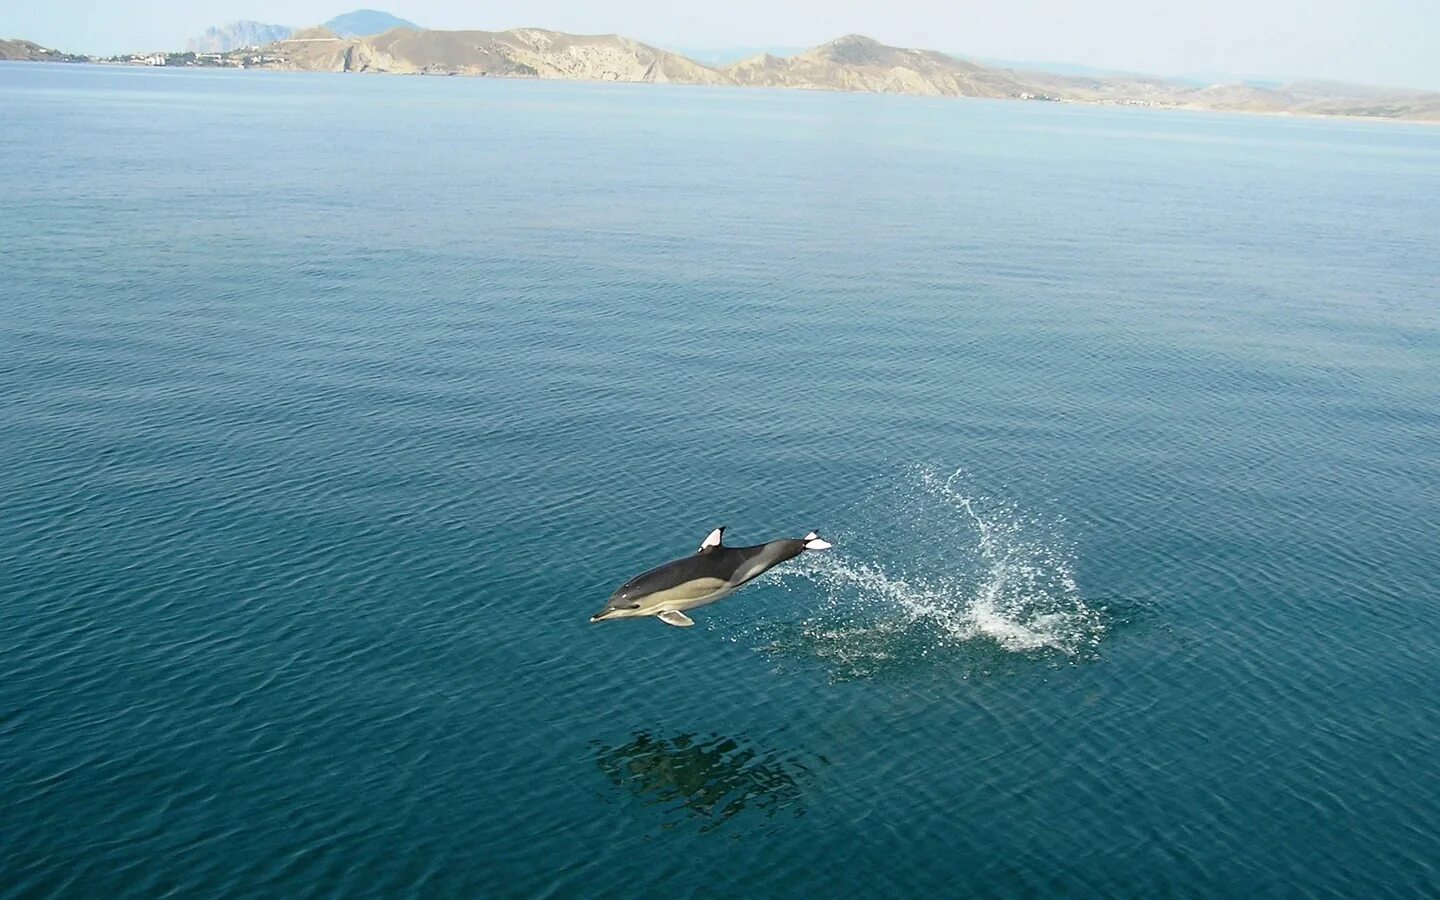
(709, 779)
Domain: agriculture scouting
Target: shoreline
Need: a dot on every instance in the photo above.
(1063, 101)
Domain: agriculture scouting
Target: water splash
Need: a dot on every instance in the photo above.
(941, 574)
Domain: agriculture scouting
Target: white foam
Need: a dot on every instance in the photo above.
(973, 569)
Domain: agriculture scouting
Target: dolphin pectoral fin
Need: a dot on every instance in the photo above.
(676, 617)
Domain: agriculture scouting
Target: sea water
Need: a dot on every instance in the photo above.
(331, 407)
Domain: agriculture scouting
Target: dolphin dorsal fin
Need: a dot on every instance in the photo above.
(712, 539)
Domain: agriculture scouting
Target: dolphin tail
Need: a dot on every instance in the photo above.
(814, 542)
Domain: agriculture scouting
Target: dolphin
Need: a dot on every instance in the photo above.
(712, 573)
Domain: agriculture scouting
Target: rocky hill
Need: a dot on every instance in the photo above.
(522, 53)
(29, 51)
(857, 63)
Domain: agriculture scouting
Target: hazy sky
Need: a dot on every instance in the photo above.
(1389, 42)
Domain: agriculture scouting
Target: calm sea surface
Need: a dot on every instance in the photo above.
(332, 407)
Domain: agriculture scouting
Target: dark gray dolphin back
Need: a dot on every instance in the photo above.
(733, 565)
(760, 559)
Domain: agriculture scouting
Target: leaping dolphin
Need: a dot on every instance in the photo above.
(712, 573)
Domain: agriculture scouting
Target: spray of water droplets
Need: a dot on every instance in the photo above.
(939, 574)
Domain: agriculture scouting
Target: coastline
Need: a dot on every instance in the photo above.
(1067, 101)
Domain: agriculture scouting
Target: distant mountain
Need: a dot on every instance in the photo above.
(1060, 68)
(1205, 78)
(366, 22)
(29, 51)
(236, 35)
(224, 38)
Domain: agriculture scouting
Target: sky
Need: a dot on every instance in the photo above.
(1383, 42)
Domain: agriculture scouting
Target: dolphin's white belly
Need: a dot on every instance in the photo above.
(721, 593)
(701, 592)
(689, 595)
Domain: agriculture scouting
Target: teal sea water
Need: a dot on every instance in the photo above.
(332, 407)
